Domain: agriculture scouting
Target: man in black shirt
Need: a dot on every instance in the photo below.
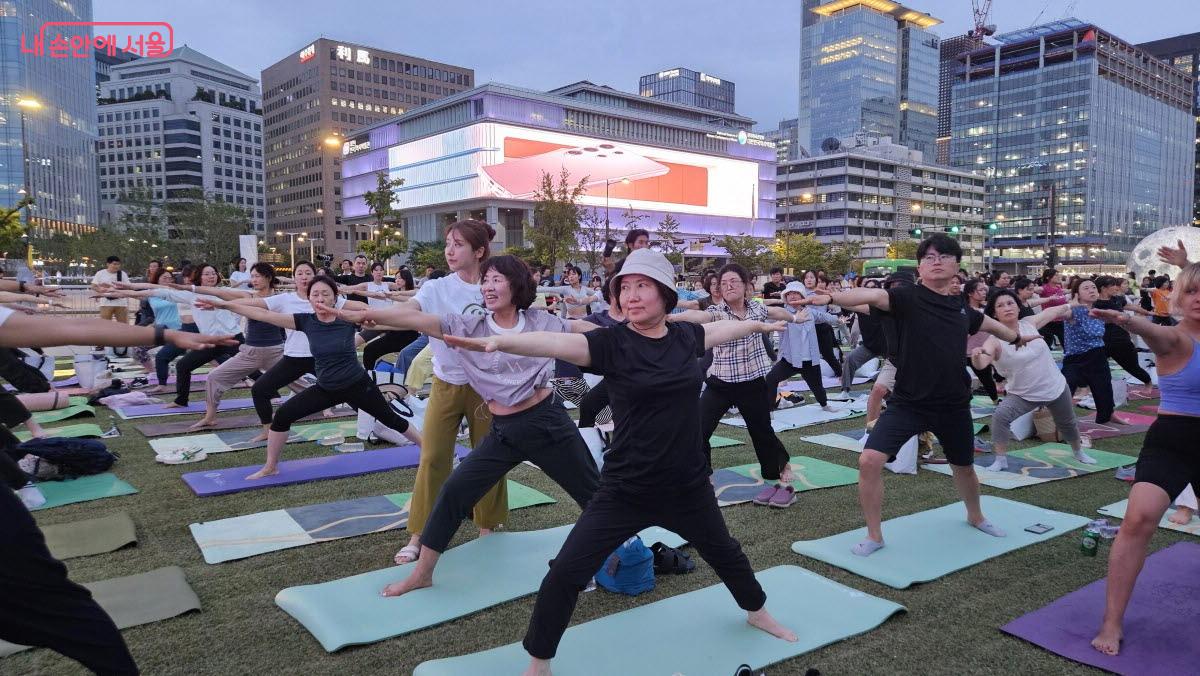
(773, 288)
(357, 275)
(933, 391)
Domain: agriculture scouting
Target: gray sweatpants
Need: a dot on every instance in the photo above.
(1013, 407)
(854, 361)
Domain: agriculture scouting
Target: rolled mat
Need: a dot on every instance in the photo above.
(1117, 511)
(927, 545)
(697, 633)
(76, 431)
(1039, 464)
(154, 410)
(138, 599)
(91, 536)
(233, 480)
(736, 485)
(350, 611)
(241, 537)
(83, 489)
(1159, 627)
(226, 423)
(223, 441)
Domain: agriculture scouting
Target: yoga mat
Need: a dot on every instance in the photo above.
(223, 441)
(831, 384)
(75, 431)
(1117, 511)
(83, 489)
(471, 577)
(241, 537)
(1160, 622)
(153, 410)
(77, 406)
(233, 480)
(927, 545)
(91, 536)
(805, 416)
(1089, 427)
(226, 423)
(1039, 464)
(736, 485)
(699, 633)
(138, 599)
(722, 442)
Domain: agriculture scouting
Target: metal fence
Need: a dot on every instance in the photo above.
(78, 299)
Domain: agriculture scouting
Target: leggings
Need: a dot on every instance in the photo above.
(1051, 332)
(193, 360)
(1090, 369)
(614, 514)
(381, 343)
(784, 369)
(753, 401)
(857, 358)
(986, 380)
(827, 344)
(1013, 407)
(362, 395)
(542, 434)
(250, 361)
(285, 372)
(168, 354)
(593, 404)
(1125, 354)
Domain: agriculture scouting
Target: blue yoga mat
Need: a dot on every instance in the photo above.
(83, 489)
(233, 480)
(152, 410)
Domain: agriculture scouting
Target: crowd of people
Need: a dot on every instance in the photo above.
(506, 343)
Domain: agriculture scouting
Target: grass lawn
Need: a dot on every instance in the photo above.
(951, 626)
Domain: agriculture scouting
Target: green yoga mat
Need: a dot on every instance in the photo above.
(138, 599)
(927, 545)
(76, 406)
(1039, 464)
(736, 485)
(75, 431)
(698, 633)
(223, 441)
(1117, 511)
(91, 536)
(469, 578)
(83, 489)
(722, 442)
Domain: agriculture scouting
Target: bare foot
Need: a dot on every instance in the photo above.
(203, 423)
(537, 668)
(172, 404)
(761, 619)
(484, 532)
(1108, 641)
(787, 476)
(411, 583)
(262, 473)
(261, 436)
(160, 389)
(1182, 515)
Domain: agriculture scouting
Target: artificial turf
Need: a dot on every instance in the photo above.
(952, 624)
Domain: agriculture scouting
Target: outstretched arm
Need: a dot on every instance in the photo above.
(32, 331)
(1162, 340)
(34, 288)
(1050, 315)
(396, 319)
(983, 356)
(1004, 333)
(877, 298)
(569, 347)
(725, 330)
(1177, 255)
(693, 316)
(279, 319)
(223, 292)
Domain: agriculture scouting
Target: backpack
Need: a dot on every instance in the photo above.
(20, 374)
(59, 458)
(630, 569)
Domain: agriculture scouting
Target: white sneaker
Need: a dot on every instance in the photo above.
(31, 495)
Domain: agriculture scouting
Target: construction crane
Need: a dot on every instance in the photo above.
(981, 10)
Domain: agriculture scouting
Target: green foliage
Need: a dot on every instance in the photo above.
(748, 251)
(12, 229)
(668, 236)
(904, 249)
(380, 201)
(555, 228)
(201, 228)
(426, 254)
(591, 238)
(799, 252)
(838, 257)
(388, 242)
(525, 253)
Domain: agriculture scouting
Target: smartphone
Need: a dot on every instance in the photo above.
(599, 164)
(1039, 528)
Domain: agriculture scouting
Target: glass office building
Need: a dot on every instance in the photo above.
(1087, 140)
(689, 87)
(1183, 52)
(869, 66)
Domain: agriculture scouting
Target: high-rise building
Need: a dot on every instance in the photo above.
(950, 50)
(869, 66)
(1088, 141)
(313, 99)
(787, 141)
(1183, 52)
(689, 87)
(171, 126)
(47, 119)
(104, 64)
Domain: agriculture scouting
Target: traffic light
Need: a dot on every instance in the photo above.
(992, 227)
(915, 232)
(953, 230)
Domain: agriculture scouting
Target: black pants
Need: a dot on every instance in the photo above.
(1051, 332)
(285, 372)
(19, 374)
(544, 435)
(614, 514)
(754, 405)
(363, 395)
(168, 353)
(1124, 352)
(592, 403)
(382, 343)
(40, 606)
(1090, 369)
(784, 369)
(193, 360)
(827, 344)
(987, 380)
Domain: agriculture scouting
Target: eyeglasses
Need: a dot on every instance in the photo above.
(938, 258)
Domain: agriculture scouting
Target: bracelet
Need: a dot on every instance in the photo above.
(160, 335)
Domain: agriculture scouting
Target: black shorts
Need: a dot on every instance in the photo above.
(1170, 457)
(902, 421)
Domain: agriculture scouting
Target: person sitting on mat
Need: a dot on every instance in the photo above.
(1169, 460)
(1033, 378)
(933, 391)
(655, 472)
(527, 422)
(341, 378)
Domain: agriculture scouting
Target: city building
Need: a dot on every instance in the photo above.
(787, 141)
(689, 87)
(482, 154)
(1087, 140)
(104, 64)
(171, 126)
(876, 192)
(1183, 52)
(949, 51)
(47, 119)
(868, 66)
(313, 98)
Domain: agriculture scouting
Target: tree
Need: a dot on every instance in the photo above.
(838, 257)
(747, 251)
(139, 209)
(525, 253)
(555, 228)
(426, 254)
(380, 201)
(388, 242)
(12, 230)
(904, 249)
(205, 229)
(591, 238)
(799, 252)
(669, 242)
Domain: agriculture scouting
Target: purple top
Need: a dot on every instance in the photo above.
(506, 379)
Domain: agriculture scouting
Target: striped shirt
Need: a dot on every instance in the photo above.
(743, 359)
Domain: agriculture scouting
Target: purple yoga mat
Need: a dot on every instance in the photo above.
(226, 423)
(1165, 604)
(151, 410)
(233, 480)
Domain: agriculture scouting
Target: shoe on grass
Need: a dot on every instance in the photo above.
(784, 497)
(766, 494)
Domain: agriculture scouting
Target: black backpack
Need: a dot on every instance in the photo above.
(60, 458)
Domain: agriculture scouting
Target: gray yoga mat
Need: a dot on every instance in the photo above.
(91, 536)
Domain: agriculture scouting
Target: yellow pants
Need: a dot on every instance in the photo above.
(448, 404)
(420, 370)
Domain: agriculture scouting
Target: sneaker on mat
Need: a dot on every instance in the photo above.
(784, 497)
(766, 494)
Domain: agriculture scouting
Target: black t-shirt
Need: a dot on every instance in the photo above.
(354, 280)
(1112, 332)
(871, 328)
(332, 344)
(1024, 311)
(932, 332)
(654, 391)
(772, 289)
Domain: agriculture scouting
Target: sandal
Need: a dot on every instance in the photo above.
(668, 560)
(407, 554)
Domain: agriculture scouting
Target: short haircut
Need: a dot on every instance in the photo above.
(990, 308)
(362, 256)
(112, 259)
(266, 270)
(327, 281)
(1105, 281)
(198, 272)
(377, 266)
(1188, 278)
(776, 271)
(737, 270)
(941, 243)
(971, 285)
(307, 264)
(634, 234)
(519, 276)
(1022, 284)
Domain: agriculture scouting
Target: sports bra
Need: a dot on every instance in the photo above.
(1181, 390)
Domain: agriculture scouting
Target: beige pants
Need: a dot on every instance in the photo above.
(119, 312)
(247, 361)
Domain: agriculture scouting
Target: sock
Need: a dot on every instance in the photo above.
(993, 530)
(866, 547)
(31, 495)
(999, 465)
(1084, 457)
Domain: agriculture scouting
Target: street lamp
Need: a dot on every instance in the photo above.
(292, 244)
(606, 184)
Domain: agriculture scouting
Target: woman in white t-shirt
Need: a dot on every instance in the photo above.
(468, 244)
(1033, 379)
(382, 295)
(239, 276)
